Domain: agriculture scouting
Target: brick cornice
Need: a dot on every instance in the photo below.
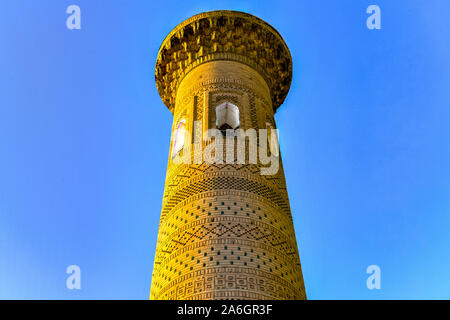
(223, 35)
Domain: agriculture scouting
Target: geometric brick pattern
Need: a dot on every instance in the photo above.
(226, 231)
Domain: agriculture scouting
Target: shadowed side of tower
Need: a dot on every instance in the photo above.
(226, 230)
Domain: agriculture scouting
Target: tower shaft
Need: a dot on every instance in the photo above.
(226, 230)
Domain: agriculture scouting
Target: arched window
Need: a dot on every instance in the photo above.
(272, 138)
(180, 133)
(227, 116)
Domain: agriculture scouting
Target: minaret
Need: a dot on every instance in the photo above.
(226, 229)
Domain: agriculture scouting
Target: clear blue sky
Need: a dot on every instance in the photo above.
(364, 133)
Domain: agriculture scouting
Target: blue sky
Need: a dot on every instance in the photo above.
(364, 134)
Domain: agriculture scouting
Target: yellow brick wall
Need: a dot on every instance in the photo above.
(226, 231)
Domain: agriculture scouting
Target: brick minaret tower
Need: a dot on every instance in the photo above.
(226, 230)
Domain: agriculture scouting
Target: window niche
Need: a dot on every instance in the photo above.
(227, 117)
(180, 135)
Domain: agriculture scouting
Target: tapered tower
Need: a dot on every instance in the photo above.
(226, 229)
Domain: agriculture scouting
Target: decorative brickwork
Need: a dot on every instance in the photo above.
(226, 231)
